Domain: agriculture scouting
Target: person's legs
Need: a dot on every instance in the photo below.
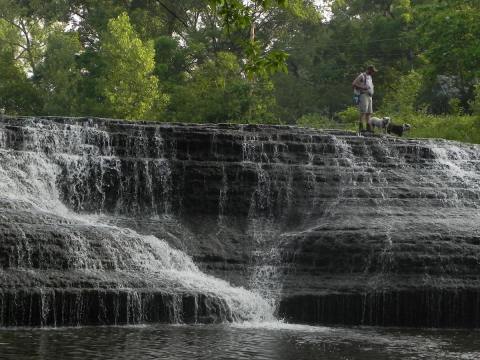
(363, 108)
(360, 122)
(368, 112)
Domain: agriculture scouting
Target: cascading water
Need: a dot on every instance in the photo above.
(105, 256)
(264, 218)
(455, 161)
(97, 217)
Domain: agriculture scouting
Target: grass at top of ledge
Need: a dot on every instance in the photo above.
(464, 128)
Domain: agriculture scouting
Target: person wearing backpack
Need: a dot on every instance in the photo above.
(363, 92)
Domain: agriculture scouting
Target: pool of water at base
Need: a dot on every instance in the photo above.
(237, 341)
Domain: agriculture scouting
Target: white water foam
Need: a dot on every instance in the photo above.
(28, 180)
(460, 164)
(280, 325)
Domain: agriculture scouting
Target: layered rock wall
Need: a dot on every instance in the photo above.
(328, 226)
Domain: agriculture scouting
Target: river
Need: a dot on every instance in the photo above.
(236, 341)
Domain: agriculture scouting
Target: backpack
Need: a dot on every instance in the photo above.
(356, 99)
(357, 93)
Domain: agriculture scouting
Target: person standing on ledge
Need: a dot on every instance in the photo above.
(363, 86)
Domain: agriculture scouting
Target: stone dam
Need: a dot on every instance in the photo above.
(112, 222)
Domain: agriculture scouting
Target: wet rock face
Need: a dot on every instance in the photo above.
(328, 226)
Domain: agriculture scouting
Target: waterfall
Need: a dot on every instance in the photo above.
(455, 163)
(98, 216)
(269, 202)
(55, 165)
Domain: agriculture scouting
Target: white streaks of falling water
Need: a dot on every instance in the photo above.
(28, 179)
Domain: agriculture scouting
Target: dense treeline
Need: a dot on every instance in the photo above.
(233, 60)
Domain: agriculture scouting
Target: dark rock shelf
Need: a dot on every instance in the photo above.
(336, 228)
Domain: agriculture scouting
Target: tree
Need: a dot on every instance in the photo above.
(218, 92)
(59, 74)
(325, 56)
(239, 16)
(449, 32)
(127, 87)
(404, 97)
(18, 95)
(32, 32)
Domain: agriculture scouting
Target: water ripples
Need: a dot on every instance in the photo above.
(275, 340)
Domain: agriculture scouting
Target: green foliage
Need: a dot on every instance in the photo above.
(349, 117)
(171, 60)
(475, 103)
(455, 106)
(31, 33)
(59, 74)
(450, 31)
(402, 97)
(17, 94)
(226, 60)
(263, 65)
(217, 92)
(451, 127)
(240, 16)
(237, 14)
(318, 121)
(126, 83)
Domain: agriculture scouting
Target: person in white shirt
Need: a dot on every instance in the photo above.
(363, 86)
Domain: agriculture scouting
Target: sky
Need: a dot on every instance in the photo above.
(326, 12)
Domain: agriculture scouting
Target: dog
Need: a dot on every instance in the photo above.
(382, 123)
(398, 129)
